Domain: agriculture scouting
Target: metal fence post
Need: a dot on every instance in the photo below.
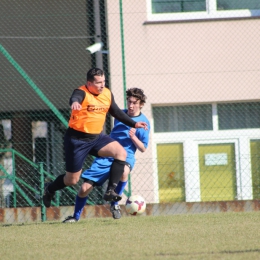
(43, 209)
(13, 179)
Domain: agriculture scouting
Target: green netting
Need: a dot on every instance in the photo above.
(198, 63)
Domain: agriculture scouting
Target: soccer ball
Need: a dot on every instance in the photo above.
(135, 205)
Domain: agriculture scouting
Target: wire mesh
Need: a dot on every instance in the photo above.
(199, 65)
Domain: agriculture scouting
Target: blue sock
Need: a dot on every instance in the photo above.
(119, 190)
(80, 204)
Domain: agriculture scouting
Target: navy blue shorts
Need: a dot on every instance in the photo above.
(76, 151)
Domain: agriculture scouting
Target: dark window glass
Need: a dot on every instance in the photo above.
(178, 6)
(182, 118)
(239, 115)
(238, 4)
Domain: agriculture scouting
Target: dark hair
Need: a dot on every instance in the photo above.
(137, 93)
(94, 72)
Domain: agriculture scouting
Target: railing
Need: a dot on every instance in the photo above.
(20, 185)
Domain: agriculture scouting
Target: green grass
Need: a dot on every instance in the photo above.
(198, 236)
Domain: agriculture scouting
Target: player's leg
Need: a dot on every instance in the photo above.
(62, 181)
(96, 175)
(115, 208)
(115, 150)
(75, 153)
(80, 202)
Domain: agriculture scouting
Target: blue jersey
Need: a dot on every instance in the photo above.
(120, 134)
(99, 170)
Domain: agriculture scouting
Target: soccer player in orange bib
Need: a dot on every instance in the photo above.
(131, 139)
(90, 104)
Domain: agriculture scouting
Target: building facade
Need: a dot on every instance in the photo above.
(200, 68)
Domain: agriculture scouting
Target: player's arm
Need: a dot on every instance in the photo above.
(138, 143)
(76, 99)
(117, 113)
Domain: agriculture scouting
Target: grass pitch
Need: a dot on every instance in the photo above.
(199, 236)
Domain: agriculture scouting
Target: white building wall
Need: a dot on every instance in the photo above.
(181, 63)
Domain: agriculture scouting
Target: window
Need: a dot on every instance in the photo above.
(239, 115)
(238, 4)
(199, 117)
(178, 6)
(159, 10)
(182, 118)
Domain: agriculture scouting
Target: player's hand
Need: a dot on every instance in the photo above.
(75, 106)
(141, 125)
(132, 132)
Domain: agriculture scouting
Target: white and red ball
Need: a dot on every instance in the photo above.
(135, 205)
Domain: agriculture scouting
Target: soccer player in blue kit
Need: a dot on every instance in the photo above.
(131, 139)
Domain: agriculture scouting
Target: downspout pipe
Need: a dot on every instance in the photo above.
(124, 74)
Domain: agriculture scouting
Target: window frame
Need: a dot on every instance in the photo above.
(210, 13)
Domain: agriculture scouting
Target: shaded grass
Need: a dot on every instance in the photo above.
(198, 236)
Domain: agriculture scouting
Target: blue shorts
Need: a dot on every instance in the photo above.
(99, 171)
(76, 151)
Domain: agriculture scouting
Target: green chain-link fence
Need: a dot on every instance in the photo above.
(198, 62)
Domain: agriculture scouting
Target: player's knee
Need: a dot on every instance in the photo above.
(75, 181)
(70, 181)
(121, 154)
(124, 153)
(84, 193)
(85, 189)
(71, 178)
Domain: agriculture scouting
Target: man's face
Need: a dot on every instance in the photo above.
(96, 87)
(134, 107)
